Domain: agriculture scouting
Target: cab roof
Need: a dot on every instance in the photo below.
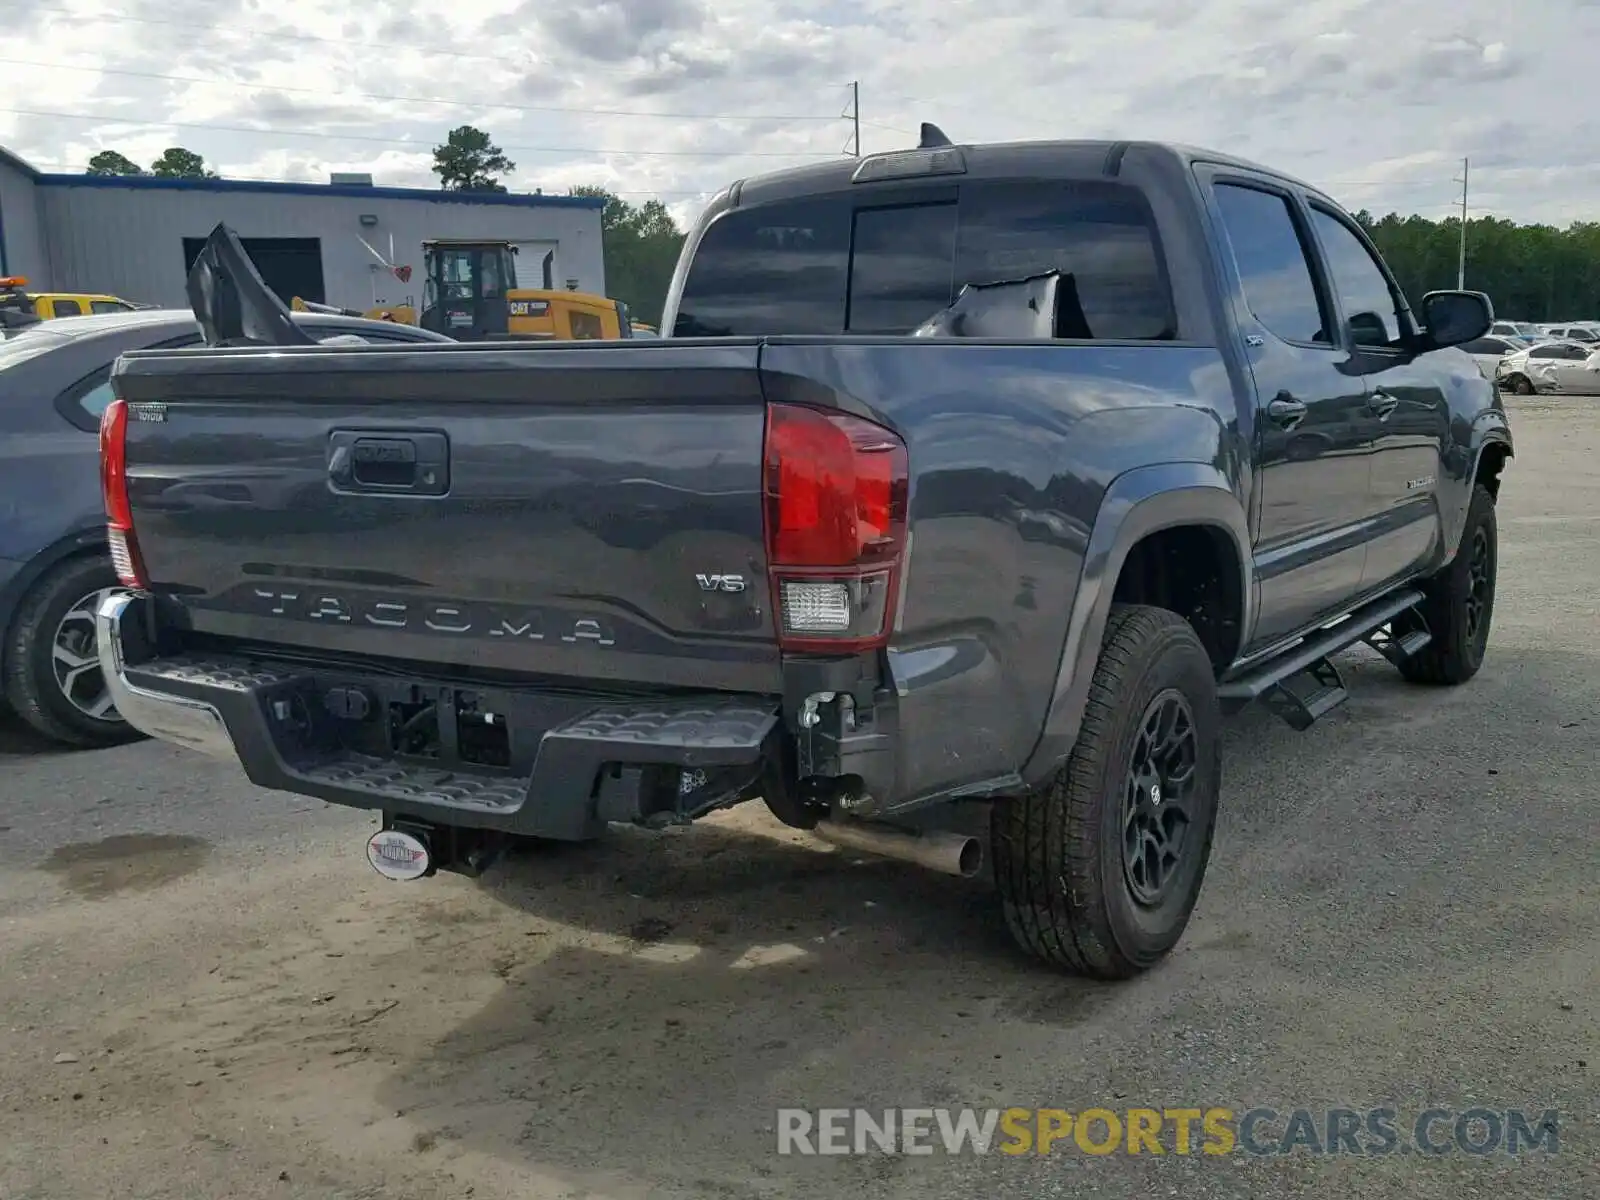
(1064, 158)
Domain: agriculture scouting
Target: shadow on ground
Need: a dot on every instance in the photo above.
(728, 973)
(18, 739)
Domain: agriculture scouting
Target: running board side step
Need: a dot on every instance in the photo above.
(1302, 684)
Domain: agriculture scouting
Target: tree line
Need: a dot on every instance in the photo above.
(1531, 272)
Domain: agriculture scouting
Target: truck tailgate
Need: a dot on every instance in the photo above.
(589, 511)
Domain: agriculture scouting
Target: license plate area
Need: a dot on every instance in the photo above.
(451, 726)
(444, 726)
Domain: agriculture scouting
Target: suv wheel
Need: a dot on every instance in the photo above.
(52, 666)
(1099, 871)
(1459, 604)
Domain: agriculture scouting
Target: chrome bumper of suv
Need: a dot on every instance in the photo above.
(179, 719)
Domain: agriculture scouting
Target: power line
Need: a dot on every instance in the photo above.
(472, 104)
(369, 137)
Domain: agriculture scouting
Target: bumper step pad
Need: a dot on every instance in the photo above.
(268, 713)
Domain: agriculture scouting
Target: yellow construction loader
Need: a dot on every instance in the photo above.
(470, 293)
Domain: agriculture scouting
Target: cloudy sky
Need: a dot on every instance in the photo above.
(1375, 101)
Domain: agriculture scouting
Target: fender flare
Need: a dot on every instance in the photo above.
(1500, 437)
(1454, 515)
(1138, 503)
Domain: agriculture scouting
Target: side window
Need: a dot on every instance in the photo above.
(586, 327)
(109, 306)
(66, 308)
(84, 401)
(1370, 306)
(1273, 266)
(901, 264)
(96, 400)
(1546, 352)
(777, 268)
(455, 268)
(1101, 234)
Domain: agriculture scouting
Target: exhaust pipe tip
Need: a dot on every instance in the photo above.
(947, 853)
(969, 861)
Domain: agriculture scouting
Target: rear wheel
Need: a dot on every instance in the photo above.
(1099, 871)
(52, 665)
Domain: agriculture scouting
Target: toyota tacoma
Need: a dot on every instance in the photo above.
(968, 481)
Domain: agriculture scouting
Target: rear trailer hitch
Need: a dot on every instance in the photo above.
(405, 850)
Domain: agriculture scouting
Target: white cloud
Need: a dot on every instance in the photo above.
(1377, 102)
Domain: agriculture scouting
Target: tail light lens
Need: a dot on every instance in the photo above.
(114, 488)
(836, 527)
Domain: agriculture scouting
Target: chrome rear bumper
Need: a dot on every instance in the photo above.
(178, 719)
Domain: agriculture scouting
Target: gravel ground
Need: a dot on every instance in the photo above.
(206, 992)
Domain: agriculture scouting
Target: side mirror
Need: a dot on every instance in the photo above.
(1368, 329)
(1453, 318)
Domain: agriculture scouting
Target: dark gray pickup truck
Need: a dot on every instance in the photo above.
(969, 481)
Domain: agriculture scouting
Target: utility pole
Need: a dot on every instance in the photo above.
(1461, 252)
(855, 119)
(855, 110)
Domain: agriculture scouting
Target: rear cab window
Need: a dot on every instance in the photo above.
(842, 263)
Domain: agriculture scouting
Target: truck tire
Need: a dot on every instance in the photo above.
(1460, 602)
(52, 673)
(1099, 871)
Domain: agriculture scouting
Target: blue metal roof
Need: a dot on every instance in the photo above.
(350, 191)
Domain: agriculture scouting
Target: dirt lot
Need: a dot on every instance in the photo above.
(205, 992)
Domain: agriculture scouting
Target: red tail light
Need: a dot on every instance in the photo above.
(114, 487)
(836, 527)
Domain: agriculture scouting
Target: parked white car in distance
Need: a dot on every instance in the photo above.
(1488, 351)
(1575, 331)
(1525, 330)
(1552, 368)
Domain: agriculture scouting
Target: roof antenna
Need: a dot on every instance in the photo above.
(932, 136)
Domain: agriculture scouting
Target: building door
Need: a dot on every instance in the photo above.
(290, 266)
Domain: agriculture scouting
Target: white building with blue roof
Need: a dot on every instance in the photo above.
(135, 236)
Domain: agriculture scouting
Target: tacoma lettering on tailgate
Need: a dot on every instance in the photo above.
(455, 618)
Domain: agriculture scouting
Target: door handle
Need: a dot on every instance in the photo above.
(378, 462)
(1381, 404)
(1286, 410)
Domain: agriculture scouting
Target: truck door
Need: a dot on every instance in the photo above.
(1311, 437)
(1407, 407)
